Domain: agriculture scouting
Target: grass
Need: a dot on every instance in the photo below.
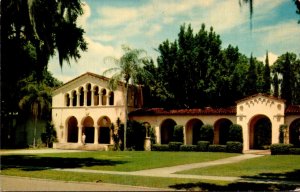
(281, 167)
(40, 166)
(110, 160)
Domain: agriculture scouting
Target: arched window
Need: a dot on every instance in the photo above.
(111, 98)
(96, 95)
(89, 95)
(74, 98)
(67, 100)
(81, 96)
(103, 96)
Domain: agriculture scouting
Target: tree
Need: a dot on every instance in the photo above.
(251, 78)
(36, 98)
(32, 31)
(266, 76)
(128, 70)
(276, 85)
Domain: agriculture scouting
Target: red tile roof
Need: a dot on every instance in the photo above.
(293, 110)
(205, 111)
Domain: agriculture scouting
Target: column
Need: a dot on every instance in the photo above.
(71, 101)
(96, 134)
(92, 98)
(85, 98)
(65, 134)
(80, 134)
(184, 135)
(158, 137)
(78, 98)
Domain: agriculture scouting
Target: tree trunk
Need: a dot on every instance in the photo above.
(34, 132)
(126, 114)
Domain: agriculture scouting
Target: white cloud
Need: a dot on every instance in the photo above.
(272, 58)
(82, 20)
(111, 16)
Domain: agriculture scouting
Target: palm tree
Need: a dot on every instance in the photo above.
(36, 99)
(128, 70)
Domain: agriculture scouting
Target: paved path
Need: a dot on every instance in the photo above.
(9, 183)
(171, 171)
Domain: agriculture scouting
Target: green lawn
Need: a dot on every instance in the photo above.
(282, 167)
(110, 160)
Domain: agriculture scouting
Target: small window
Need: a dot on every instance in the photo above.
(74, 97)
(111, 98)
(103, 96)
(67, 100)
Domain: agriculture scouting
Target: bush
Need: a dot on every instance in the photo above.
(235, 133)
(280, 149)
(234, 147)
(295, 151)
(178, 133)
(217, 148)
(207, 133)
(203, 145)
(188, 148)
(175, 146)
(135, 135)
(158, 147)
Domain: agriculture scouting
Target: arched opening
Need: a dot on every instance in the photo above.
(260, 132)
(111, 98)
(294, 133)
(72, 130)
(81, 97)
(167, 130)
(96, 96)
(103, 96)
(104, 124)
(74, 98)
(67, 100)
(88, 95)
(193, 131)
(221, 131)
(88, 129)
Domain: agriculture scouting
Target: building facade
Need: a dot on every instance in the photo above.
(85, 106)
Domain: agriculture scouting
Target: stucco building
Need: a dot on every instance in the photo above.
(86, 105)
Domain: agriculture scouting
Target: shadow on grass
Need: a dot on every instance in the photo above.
(32, 162)
(288, 176)
(237, 186)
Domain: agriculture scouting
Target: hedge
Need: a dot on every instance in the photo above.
(174, 146)
(207, 133)
(217, 148)
(188, 148)
(280, 149)
(295, 151)
(234, 147)
(203, 145)
(235, 133)
(158, 147)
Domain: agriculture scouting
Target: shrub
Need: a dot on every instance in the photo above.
(203, 145)
(282, 129)
(175, 146)
(178, 133)
(235, 133)
(295, 151)
(135, 136)
(188, 148)
(234, 147)
(280, 149)
(217, 148)
(207, 133)
(158, 147)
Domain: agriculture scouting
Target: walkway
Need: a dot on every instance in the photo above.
(171, 171)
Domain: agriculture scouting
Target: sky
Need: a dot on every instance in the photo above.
(144, 24)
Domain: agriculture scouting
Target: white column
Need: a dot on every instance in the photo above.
(92, 98)
(78, 99)
(96, 134)
(158, 136)
(85, 98)
(184, 135)
(71, 101)
(80, 134)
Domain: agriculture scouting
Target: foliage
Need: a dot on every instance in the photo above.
(136, 134)
(188, 148)
(49, 136)
(117, 135)
(282, 129)
(235, 133)
(294, 151)
(128, 70)
(207, 133)
(178, 133)
(280, 149)
(175, 146)
(159, 147)
(152, 135)
(203, 145)
(217, 148)
(234, 147)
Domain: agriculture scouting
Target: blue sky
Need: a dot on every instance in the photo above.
(144, 24)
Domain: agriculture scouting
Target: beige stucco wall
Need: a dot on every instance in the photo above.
(257, 106)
